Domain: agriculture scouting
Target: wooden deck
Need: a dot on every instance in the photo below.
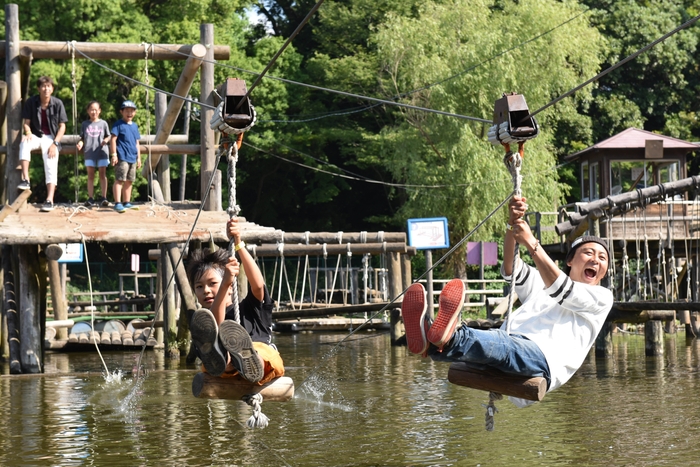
(150, 223)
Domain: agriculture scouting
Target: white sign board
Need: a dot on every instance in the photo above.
(429, 233)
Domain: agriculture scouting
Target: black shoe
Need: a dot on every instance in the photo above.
(239, 345)
(47, 206)
(103, 202)
(90, 202)
(205, 337)
(23, 185)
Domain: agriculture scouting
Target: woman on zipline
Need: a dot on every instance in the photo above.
(552, 331)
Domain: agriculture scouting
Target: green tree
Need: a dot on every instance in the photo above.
(428, 149)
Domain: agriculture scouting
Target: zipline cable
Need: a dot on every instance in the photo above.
(395, 299)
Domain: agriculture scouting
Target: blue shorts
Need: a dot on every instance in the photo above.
(100, 163)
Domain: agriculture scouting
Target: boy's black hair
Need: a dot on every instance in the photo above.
(201, 261)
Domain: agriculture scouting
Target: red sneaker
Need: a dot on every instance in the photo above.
(413, 313)
(449, 314)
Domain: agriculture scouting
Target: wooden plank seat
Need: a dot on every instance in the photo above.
(485, 378)
(206, 386)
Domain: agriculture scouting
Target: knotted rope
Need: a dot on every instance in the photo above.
(491, 410)
(513, 162)
(258, 419)
(233, 210)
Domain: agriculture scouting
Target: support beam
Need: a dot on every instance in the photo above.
(58, 299)
(10, 312)
(653, 338)
(25, 66)
(163, 167)
(395, 289)
(159, 149)
(16, 204)
(182, 88)
(206, 96)
(29, 305)
(267, 250)
(14, 99)
(112, 51)
(489, 379)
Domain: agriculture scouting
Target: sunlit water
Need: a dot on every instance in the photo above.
(362, 403)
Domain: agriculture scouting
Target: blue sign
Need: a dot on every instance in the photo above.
(428, 233)
(72, 253)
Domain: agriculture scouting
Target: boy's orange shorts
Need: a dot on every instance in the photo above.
(274, 366)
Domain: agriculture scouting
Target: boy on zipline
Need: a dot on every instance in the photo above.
(226, 346)
(552, 331)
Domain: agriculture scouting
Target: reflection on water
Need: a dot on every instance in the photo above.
(365, 403)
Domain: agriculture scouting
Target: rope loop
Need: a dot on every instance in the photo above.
(363, 236)
(349, 251)
(325, 251)
(280, 248)
(258, 419)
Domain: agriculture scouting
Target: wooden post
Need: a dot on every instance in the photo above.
(3, 136)
(395, 283)
(653, 338)
(58, 298)
(163, 167)
(25, 67)
(482, 298)
(169, 313)
(431, 287)
(29, 306)
(182, 88)
(183, 164)
(206, 37)
(603, 342)
(188, 299)
(11, 345)
(406, 271)
(14, 100)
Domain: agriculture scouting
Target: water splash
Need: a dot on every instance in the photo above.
(323, 392)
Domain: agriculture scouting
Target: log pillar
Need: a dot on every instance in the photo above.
(206, 37)
(395, 289)
(58, 299)
(3, 135)
(11, 346)
(32, 319)
(653, 338)
(14, 100)
(603, 343)
(169, 310)
(188, 299)
(163, 167)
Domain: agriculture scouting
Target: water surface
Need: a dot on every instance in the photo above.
(360, 403)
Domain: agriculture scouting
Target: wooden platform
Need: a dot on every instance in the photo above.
(151, 223)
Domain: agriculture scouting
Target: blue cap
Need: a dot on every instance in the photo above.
(126, 104)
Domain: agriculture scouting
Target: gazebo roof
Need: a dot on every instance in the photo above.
(634, 138)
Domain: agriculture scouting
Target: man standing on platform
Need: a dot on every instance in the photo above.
(43, 123)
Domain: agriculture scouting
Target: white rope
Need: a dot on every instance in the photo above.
(513, 163)
(233, 210)
(258, 419)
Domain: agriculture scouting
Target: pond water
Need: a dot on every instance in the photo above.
(358, 403)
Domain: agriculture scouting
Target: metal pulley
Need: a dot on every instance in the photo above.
(235, 114)
(511, 123)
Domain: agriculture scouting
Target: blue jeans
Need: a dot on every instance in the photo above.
(509, 353)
